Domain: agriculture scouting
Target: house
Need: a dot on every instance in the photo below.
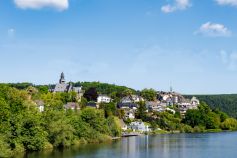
(129, 114)
(136, 98)
(155, 106)
(103, 99)
(40, 105)
(127, 106)
(129, 102)
(170, 98)
(62, 86)
(72, 106)
(188, 104)
(139, 126)
(195, 101)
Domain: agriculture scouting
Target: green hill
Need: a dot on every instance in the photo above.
(224, 102)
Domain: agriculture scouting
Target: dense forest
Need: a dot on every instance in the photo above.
(225, 102)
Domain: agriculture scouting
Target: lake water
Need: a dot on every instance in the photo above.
(207, 145)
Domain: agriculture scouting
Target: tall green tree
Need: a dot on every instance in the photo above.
(149, 94)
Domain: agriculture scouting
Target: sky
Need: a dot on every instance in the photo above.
(190, 45)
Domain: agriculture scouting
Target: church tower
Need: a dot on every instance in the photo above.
(62, 79)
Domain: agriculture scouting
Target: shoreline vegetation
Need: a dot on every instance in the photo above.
(23, 128)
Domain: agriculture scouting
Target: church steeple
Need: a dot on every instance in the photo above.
(62, 79)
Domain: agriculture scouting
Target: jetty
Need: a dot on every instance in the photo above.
(132, 134)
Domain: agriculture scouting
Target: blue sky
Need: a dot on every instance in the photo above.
(189, 44)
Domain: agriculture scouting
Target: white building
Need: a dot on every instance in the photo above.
(195, 101)
(129, 114)
(139, 126)
(137, 98)
(103, 99)
(40, 105)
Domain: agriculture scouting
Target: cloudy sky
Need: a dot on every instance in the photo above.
(189, 44)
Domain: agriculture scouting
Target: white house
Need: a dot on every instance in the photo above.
(137, 98)
(195, 101)
(129, 114)
(103, 99)
(139, 126)
(40, 105)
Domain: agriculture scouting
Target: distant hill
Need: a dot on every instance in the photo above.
(224, 102)
(104, 88)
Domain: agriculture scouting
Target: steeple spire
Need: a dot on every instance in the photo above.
(62, 79)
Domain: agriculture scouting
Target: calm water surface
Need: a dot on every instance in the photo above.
(208, 145)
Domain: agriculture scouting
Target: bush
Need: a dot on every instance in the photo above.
(5, 150)
(229, 124)
(199, 129)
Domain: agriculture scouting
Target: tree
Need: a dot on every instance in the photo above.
(109, 108)
(5, 149)
(114, 124)
(141, 111)
(229, 124)
(127, 92)
(95, 118)
(91, 94)
(83, 102)
(32, 134)
(59, 129)
(149, 94)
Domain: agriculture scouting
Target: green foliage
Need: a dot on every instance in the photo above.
(109, 109)
(43, 89)
(32, 135)
(91, 94)
(166, 121)
(185, 128)
(114, 124)
(149, 94)
(225, 102)
(20, 86)
(204, 116)
(141, 111)
(83, 102)
(127, 92)
(114, 91)
(24, 128)
(5, 149)
(229, 124)
(95, 118)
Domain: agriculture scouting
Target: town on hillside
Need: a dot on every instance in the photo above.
(129, 104)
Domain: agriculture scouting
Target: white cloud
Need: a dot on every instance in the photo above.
(214, 30)
(227, 2)
(229, 60)
(178, 5)
(38, 4)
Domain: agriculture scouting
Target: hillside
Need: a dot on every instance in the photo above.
(225, 102)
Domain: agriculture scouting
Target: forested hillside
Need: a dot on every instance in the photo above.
(225, 102)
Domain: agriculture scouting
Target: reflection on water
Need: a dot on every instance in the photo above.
(216, 145)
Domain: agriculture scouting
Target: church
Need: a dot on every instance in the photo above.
(62, 86)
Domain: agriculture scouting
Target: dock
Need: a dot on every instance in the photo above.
(132, 134)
